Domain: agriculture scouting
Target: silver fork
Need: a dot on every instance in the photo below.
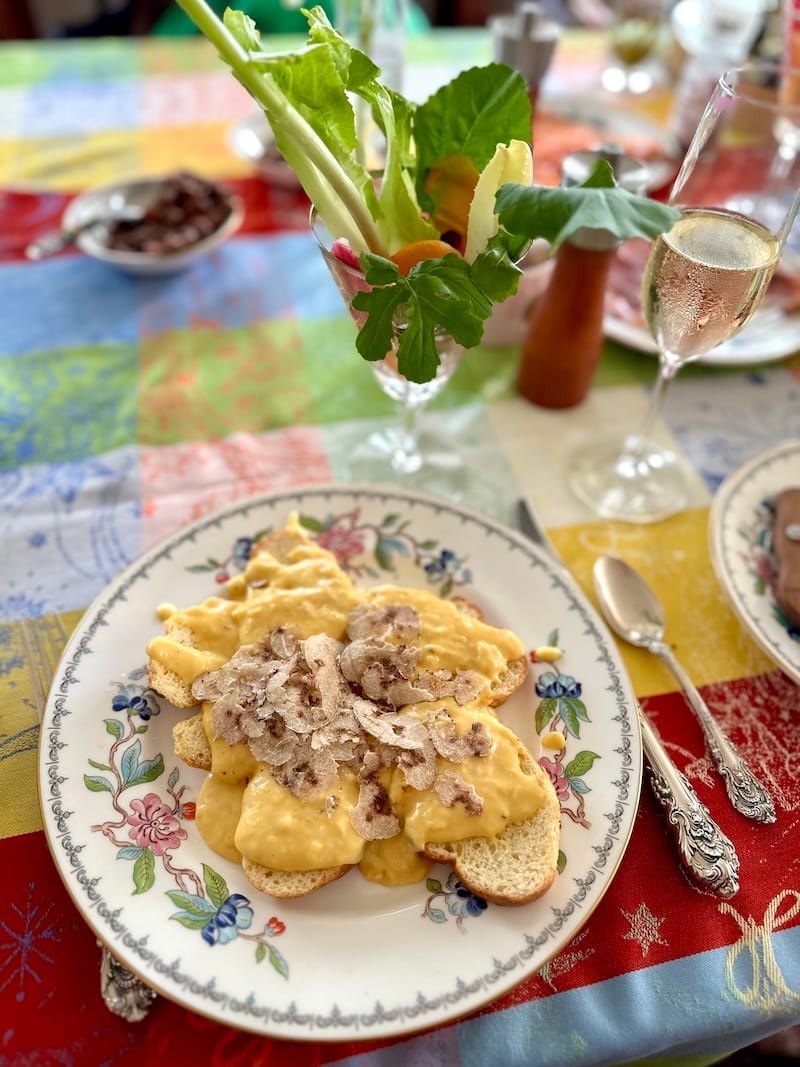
(123, 993)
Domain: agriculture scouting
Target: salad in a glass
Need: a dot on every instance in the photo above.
(438, 235)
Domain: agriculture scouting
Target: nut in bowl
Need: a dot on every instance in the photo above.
(183, 218)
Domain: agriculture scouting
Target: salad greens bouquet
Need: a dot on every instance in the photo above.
(439, 234)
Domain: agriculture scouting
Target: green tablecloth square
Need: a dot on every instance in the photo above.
(64, 405)
(208, 383)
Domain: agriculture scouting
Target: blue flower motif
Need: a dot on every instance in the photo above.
(232, 915)
(468, 903)
(241, 551)
(136, 700)
(555, 686)
(443, 564)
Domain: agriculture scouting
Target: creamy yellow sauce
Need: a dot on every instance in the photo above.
(278, 830)
(243, 811)
(219, 808)
(393, 862)
(450, 639)
(269, 825)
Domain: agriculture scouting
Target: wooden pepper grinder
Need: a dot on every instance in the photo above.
(565, 333)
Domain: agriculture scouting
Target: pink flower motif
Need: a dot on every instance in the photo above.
(556, 771)
(342, 541)
(153, 826)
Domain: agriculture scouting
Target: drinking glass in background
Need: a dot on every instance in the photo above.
(633, 39)
(738, 195)
(377, 28)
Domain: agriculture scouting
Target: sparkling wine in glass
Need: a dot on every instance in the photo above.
(634, 36)
(704, 277)
(403, 448)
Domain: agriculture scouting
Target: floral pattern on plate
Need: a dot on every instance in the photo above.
(740, 536)
(175, 946)
(365, 550)
(148, 831)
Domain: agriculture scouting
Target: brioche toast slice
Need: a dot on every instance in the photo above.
(516, 866)
(288, 885)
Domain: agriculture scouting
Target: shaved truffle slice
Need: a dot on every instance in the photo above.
(475, 742)
(283, 642)
(418, 765)
(452, 789)
(391, 727)
(372, 817)
(321, 654)
(307, 777)
(383, 671)
(463, 686)
(379, 621)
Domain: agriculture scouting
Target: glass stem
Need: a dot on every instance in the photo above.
(668, 367)
(407, 457)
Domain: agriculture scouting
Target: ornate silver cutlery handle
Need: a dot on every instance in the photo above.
(123, 993)
(747, 794)
(707, 853)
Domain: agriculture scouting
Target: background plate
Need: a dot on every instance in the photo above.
(354, 959)
(770, 335)
(741, 549)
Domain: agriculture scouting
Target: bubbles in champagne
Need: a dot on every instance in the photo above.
(705, 278)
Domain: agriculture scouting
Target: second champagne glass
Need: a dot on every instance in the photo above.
(705, 277)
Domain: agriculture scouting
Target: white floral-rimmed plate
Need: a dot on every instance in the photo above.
(354, 960)
(740, 537)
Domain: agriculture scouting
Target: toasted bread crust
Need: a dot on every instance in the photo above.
(515, 867)
(288, 885)
(191, 742)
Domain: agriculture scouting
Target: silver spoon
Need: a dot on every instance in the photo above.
(119, 209)
(707, 855)
(635, 613)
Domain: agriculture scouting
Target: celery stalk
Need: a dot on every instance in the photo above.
(339, 202)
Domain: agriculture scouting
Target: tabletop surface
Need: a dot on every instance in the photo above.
(131, 407)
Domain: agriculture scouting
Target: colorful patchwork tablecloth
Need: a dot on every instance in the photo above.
(130, 407)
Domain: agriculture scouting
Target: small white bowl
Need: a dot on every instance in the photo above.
(139, 191)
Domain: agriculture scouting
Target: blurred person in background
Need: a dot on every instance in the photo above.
(100, 18)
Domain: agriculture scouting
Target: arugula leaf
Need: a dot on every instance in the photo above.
(599, 203)
(439, 296)
(469, 116)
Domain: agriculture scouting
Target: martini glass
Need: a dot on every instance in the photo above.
(413, 455)
(738, 197)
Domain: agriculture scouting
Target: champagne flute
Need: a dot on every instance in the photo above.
(705, 277)
(403, 449)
